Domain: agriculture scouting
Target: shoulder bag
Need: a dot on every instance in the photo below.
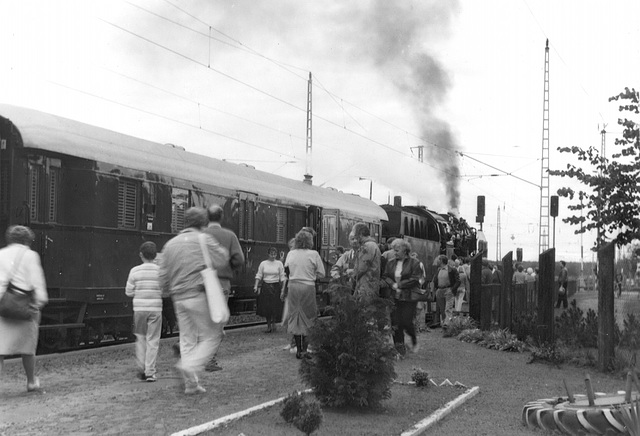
(15, 302)
(218, 307)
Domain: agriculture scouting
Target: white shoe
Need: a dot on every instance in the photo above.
(35, 386)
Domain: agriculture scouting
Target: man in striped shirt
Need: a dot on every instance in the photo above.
(144, 287)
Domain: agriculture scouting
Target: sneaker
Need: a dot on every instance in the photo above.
(151, 378)
(195, 390)
(212, 366)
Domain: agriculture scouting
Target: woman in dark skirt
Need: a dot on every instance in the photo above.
(271, 275)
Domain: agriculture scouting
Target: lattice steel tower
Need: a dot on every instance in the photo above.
(543, 242)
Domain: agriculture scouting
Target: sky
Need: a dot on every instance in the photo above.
(459, 84)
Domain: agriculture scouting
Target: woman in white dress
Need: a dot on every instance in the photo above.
(20, 265)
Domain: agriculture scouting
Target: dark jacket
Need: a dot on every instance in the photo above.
(409, 279)
(454, 279)
(228, 240)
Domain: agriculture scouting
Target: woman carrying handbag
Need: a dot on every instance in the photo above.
(20, 267)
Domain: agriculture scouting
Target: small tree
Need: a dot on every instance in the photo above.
(353, 361)
(611, 205)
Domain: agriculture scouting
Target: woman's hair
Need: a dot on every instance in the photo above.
(401, 245)
(20, 235)
(443, 259)
(272, 250)
(520, 268)
(304, 240)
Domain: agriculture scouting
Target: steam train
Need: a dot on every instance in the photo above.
(92, 196)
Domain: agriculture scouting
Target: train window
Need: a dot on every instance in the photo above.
(35, 172)
(251, 206)
(405, 230)
(179, 204)
(54, 193)
(127, 204)
(281, 225)
(329, 231)
(4, 188)
(245, 219)
(242, 212)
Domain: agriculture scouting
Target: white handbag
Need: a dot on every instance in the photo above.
(218, 307)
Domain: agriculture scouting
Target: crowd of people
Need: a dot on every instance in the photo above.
(285, 290)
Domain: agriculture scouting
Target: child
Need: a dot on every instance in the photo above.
(143, 286)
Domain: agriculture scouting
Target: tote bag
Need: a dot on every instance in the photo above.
(15, 303)
(218, 307)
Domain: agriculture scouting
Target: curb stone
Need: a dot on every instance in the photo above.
(417, 429)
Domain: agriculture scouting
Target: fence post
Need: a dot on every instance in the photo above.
(606, 319)
(546, 292)
(506, 291)
(476, 288)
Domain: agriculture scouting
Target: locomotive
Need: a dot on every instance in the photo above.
(429, 233)
(92, 196)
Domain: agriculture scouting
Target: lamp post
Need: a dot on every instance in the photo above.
(370, 185)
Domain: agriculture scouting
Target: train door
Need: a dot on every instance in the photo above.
(314, 220)
(330, 226)
(5, 176)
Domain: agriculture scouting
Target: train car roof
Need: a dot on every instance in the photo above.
(44, 131)
(418, 210)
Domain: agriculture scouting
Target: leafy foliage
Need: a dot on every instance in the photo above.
(420, 377)
(612, 191)
(305, 414)
(353, 362)
(551, 353)
(291, 406)
(630, 336)
(576, 330)
(457, 325)
(501, 340)
(309, 417)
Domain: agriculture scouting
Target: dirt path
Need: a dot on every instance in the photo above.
(97, 393)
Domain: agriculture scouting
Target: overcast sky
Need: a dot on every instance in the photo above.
(228, 79)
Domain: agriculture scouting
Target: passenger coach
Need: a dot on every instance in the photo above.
(92, 196)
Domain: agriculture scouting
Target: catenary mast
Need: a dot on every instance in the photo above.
(543, 242)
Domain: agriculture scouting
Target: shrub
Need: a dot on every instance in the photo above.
(502, 340)
(554, 353)
(291, 407)
(420, 377)
(473, 336)
(309, 417)
(630, 336)
(457, 325)
(353, 362)
(525, 325)
(304, 413)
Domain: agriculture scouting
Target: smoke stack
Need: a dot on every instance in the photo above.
(307, 179)
(397, 201)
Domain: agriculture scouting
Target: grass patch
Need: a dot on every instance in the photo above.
(408, 405)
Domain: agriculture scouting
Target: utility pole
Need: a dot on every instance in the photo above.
(499, 241)
(308, 176)
(543, 241)
(420, 152)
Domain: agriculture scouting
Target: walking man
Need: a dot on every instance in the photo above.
(228, 240)
(563, 281)
(367, 264)
(180, 267)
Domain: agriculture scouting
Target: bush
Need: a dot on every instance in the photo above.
(630, 336)
(353, 362)
(305, 414)
(420, 377)
(309, 417)
(502, 340)
(291, 407)
(473, 336)
(457, 325)
(554, 353)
